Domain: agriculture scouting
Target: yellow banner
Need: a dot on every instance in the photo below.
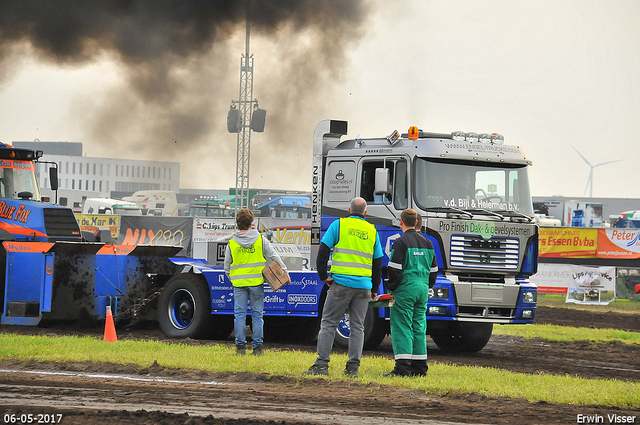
(568, 242)
(92, 222)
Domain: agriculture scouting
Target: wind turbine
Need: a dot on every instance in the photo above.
(590, 179)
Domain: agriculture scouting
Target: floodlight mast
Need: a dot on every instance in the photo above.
(245, 106)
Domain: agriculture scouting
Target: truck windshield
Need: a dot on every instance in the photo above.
(210, 211)
(470, 185)
(18, 177)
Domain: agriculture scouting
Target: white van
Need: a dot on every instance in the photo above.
(110, 206)
(155, 202)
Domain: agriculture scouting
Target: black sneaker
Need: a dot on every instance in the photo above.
(257, 351)
(392, 374)
(241, 349)
(317, 370)
(351, 373)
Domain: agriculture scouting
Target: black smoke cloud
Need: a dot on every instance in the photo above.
(180, 73)
(142, 31)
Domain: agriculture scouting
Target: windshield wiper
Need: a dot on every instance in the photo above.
(450, 209)
(487, 212)
(517, 214)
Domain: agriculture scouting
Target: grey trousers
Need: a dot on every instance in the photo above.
(339, 298)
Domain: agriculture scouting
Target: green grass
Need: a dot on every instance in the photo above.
(565, 333)
(443, 378)
(616, 306)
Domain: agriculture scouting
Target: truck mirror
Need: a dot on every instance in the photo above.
(382, 181)
(53, 178)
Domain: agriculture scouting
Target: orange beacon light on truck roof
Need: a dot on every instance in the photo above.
(413, 132)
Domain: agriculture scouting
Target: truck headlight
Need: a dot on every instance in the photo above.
(442, 293)
(527, 314)
(435, 309)
(529, 296)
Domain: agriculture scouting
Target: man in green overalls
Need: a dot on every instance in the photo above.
(412, 270)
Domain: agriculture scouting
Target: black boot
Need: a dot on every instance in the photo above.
(241, 349)
(403, 368)
(419, 367)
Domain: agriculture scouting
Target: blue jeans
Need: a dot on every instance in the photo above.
(254, 297)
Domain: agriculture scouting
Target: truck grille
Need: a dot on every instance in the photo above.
(60, 223)
(476, 252)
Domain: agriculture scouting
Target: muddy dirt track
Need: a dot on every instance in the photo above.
(82, 393)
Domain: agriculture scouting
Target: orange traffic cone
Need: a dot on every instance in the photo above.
(109, 327)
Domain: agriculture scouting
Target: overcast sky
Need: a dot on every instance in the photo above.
(548, 75)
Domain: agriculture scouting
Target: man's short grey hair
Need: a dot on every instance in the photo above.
(358, 206)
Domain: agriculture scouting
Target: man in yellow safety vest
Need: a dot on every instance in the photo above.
(356, 268)
(245, 258)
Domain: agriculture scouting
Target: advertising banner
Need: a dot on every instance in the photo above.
(568, 242)
(290, 237)
(294, 232)
(210, 236)
(592, 285)
(163, 231)
(92, 222)
(553, 278)
(618, 243)
(580, 214)
(213, 229)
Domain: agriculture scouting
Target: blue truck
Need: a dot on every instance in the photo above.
(285, 206)
(50, 272)
(472, 192)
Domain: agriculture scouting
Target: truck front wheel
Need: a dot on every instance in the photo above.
(460, 337)
(375, 329)
(184, 308)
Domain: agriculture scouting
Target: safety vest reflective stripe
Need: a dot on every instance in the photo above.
(353, 253)
(245, 276)
(246, 264)
(335, 264)
(239, 266)
(394, 265)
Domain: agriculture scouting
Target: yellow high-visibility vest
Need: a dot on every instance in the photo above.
(246, 264)
(353, 254)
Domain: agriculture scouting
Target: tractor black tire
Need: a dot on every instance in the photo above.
(221, 327)
(184, 308)
(461, 337)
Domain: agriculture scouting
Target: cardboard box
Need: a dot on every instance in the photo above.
(275, 276)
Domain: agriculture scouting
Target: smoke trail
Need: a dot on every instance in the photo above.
(181, 71)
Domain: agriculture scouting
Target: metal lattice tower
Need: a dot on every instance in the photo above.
(245, 106)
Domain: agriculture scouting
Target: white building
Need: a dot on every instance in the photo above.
(98, 177)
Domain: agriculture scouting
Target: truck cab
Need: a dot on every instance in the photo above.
(155, 202)
(472, 192)
(110, 206)
(285, 207)
(212, 206)
(23, 214)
